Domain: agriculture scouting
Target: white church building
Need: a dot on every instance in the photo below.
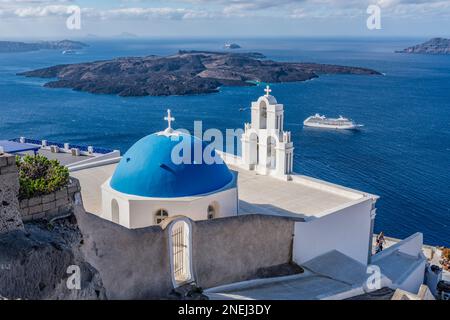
(147, 187)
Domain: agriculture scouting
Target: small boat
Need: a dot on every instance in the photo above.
(341, 123)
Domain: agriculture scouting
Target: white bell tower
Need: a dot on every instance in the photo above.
(266, 147)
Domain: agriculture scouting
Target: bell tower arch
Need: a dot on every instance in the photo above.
(274, 150)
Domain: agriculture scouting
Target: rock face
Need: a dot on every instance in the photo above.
(10, 46)
(34, 264)
(433, 46)
(35, 257)
(10, 218)
(188, 72)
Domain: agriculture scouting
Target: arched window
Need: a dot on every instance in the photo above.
(263, 115)
(180, 243)
(271, 153)
(160, 215)
(115, 214)
(211, 212)
(254, 148)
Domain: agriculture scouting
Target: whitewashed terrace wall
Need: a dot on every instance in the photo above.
(346, 231)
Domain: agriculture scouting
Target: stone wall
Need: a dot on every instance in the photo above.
(135, 264)
(234, 249)
(33, 258)
(56, 204)
(10, 219)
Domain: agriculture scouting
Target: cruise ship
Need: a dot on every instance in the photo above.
(341, 123)
(69, 52)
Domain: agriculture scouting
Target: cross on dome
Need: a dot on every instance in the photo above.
(268, 90)
(169, 119)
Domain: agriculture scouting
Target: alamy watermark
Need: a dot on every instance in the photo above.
(374, 20)
(74, 280)
(5, 266)
(201, 147)
(373, 282)
(73, 22)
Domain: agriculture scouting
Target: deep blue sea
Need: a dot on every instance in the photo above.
(402, 154)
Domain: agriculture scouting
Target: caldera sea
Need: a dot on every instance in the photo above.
(401, 154)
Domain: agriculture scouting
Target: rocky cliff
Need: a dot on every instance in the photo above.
(36, 257)
(34, 263)
(433, 46)
(10, 218)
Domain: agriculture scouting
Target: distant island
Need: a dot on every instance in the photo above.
(12, 46)
(187, 72)
(433, 46)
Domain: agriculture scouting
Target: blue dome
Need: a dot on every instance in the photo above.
(147, 170)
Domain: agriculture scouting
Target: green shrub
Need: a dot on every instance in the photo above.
(40, 176)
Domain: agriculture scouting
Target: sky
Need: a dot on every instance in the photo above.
(222, 18)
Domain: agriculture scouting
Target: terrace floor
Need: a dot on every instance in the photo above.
(257, 194)
(268, 195)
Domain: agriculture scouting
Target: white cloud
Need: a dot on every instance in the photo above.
(33, 12)
(120, 13)
(203, 9)
(148, 13)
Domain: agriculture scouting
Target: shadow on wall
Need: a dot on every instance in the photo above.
(133, 264)
(136, 264)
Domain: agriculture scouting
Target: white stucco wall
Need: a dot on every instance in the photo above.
(142, 211)
(347, 230)
(139, 212)
(107, 198)
(415, 279)
(411, 279)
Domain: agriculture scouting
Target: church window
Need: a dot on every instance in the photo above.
(262, 115)
(271, 153)
(160, 215)
(212, 211)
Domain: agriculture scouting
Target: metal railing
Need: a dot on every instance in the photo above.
(179, 254)
(98, 150)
